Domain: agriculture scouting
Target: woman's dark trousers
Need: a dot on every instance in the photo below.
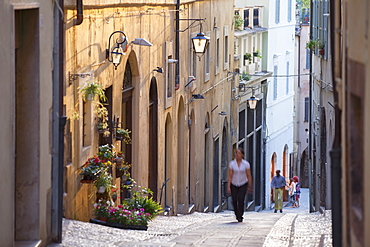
(238, 197)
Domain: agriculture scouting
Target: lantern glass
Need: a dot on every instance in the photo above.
(252, 101)
(200, 43)
(116, 55)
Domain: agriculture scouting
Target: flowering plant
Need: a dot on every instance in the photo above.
(137, 210)
(122, 214)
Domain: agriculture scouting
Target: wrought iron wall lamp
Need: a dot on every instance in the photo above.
(200, 41)
(114, 53)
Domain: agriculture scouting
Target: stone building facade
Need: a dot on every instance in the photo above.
(180, 144)
(29, 115)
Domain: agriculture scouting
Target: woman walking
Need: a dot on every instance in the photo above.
(239, 180)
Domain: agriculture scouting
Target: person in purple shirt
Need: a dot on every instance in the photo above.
(278, 183)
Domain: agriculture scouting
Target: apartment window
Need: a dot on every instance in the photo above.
(277, 12)
(306, 108)
(226, 47)
(308, 58)
(86, 121)
(169, 74)
(256, 18)
(287, 77)
(217, 62)
(246, 18)
(242, 125)
(207, 59)
(275, 82)
(325, 27)
(289, 10)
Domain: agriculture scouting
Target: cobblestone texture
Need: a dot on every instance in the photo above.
(293, 227)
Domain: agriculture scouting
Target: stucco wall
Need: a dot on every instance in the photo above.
(85, 53)
(39, 124)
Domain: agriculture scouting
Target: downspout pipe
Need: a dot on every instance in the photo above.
(177, 45)
(58, 122)
(80, 15)
(336, 152)
(310, 168)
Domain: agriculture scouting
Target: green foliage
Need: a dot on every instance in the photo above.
(92, 89)
(104, 180)
(105, 152)
(257, 53)
(245, 77)
(238, 22)
(137, 210)
(124, 134)
(311, 44)
(141, 198)
(306, 3)
(248, 56)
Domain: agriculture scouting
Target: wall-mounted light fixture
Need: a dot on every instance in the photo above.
(222, 113)
(200, 43)
(114, 53)
(141, 41)
(252, 101)
(195, 97)
(158, 69)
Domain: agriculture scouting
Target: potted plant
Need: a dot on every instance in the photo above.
(89, 90)
(248, 56)
(102, 125)
(123, 134)
(133, 213)
(321, 47)
(311, 44)
(91, 170)
(238, 22)
(104, 182)
(245, 77)
(257, 53)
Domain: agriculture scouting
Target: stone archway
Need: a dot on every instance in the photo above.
(153, 138)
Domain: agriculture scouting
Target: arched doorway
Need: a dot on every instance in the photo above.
(207, 162)
(323, 177)
(286, 172)
(126, 118)
(272, 174)
(194, 186)
(153, 138)
(126, 122)
(224, 164)
(181, 171)
(168, 196)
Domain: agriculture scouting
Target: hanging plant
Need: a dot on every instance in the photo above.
(123, 134)
(89, 90)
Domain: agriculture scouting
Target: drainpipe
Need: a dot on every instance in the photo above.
(177, 45)
(336, 152)
(58, 122)
(80, 15)
(310, 179)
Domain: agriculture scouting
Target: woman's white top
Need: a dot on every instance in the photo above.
(239, 172)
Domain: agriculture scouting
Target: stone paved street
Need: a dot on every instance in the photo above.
(294, 227)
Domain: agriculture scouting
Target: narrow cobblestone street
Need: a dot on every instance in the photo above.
(293, 227)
